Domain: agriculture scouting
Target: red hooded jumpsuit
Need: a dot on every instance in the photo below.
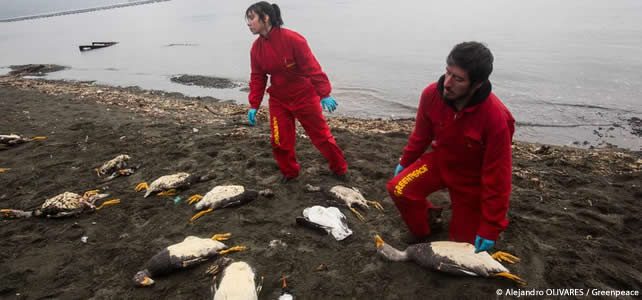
(471, 157)
(297, 84)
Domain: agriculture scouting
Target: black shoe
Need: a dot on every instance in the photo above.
(343, 177)
(435, 219)
(411, 239)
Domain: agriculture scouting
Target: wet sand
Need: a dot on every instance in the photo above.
(575, 215)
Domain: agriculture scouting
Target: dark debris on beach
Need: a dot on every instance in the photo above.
(205, 81)
(34, 69)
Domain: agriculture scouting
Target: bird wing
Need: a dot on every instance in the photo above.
(190, 262)
(168, 182)
(348, 195)
(454, 269)
(464, 256)
(220, 193)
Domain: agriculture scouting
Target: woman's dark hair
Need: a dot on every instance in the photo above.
(475, 58)
(263, 9)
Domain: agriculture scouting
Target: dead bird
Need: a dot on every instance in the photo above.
(349, 197)
(191, 251)
(116, 167)
(168, 184)
(63, 205)
(452, 257)
(223, 196)
(328, 220)
(238, 280)
(14, 139)
(8, 140)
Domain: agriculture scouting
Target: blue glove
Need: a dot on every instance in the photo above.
(329, 104)
(482, 244)
(251, 116)
(398, 169)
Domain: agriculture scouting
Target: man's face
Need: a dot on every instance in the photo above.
(457, 85)
(255, 24)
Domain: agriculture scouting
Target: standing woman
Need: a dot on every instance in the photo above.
(298, 90)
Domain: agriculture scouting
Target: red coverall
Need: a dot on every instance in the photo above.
(297, 85)
(471, 157)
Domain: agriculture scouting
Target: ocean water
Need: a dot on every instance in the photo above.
(568, 70)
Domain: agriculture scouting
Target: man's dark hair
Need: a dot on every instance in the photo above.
(263, 9)
(475, 58)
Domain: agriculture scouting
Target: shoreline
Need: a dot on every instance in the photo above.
(622, 134)
(139, 100)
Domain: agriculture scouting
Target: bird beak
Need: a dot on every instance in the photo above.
(147, 281)
(7, 213)
(378, 241)
(91, 193)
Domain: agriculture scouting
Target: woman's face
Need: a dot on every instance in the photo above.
(256, 25)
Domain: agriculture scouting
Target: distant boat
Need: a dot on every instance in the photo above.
(96, 45)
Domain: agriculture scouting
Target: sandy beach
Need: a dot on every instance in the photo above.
(575, 216)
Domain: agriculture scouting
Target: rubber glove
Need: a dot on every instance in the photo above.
(482, 244)
(398, 169)
(251, 116)
(329, 104)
